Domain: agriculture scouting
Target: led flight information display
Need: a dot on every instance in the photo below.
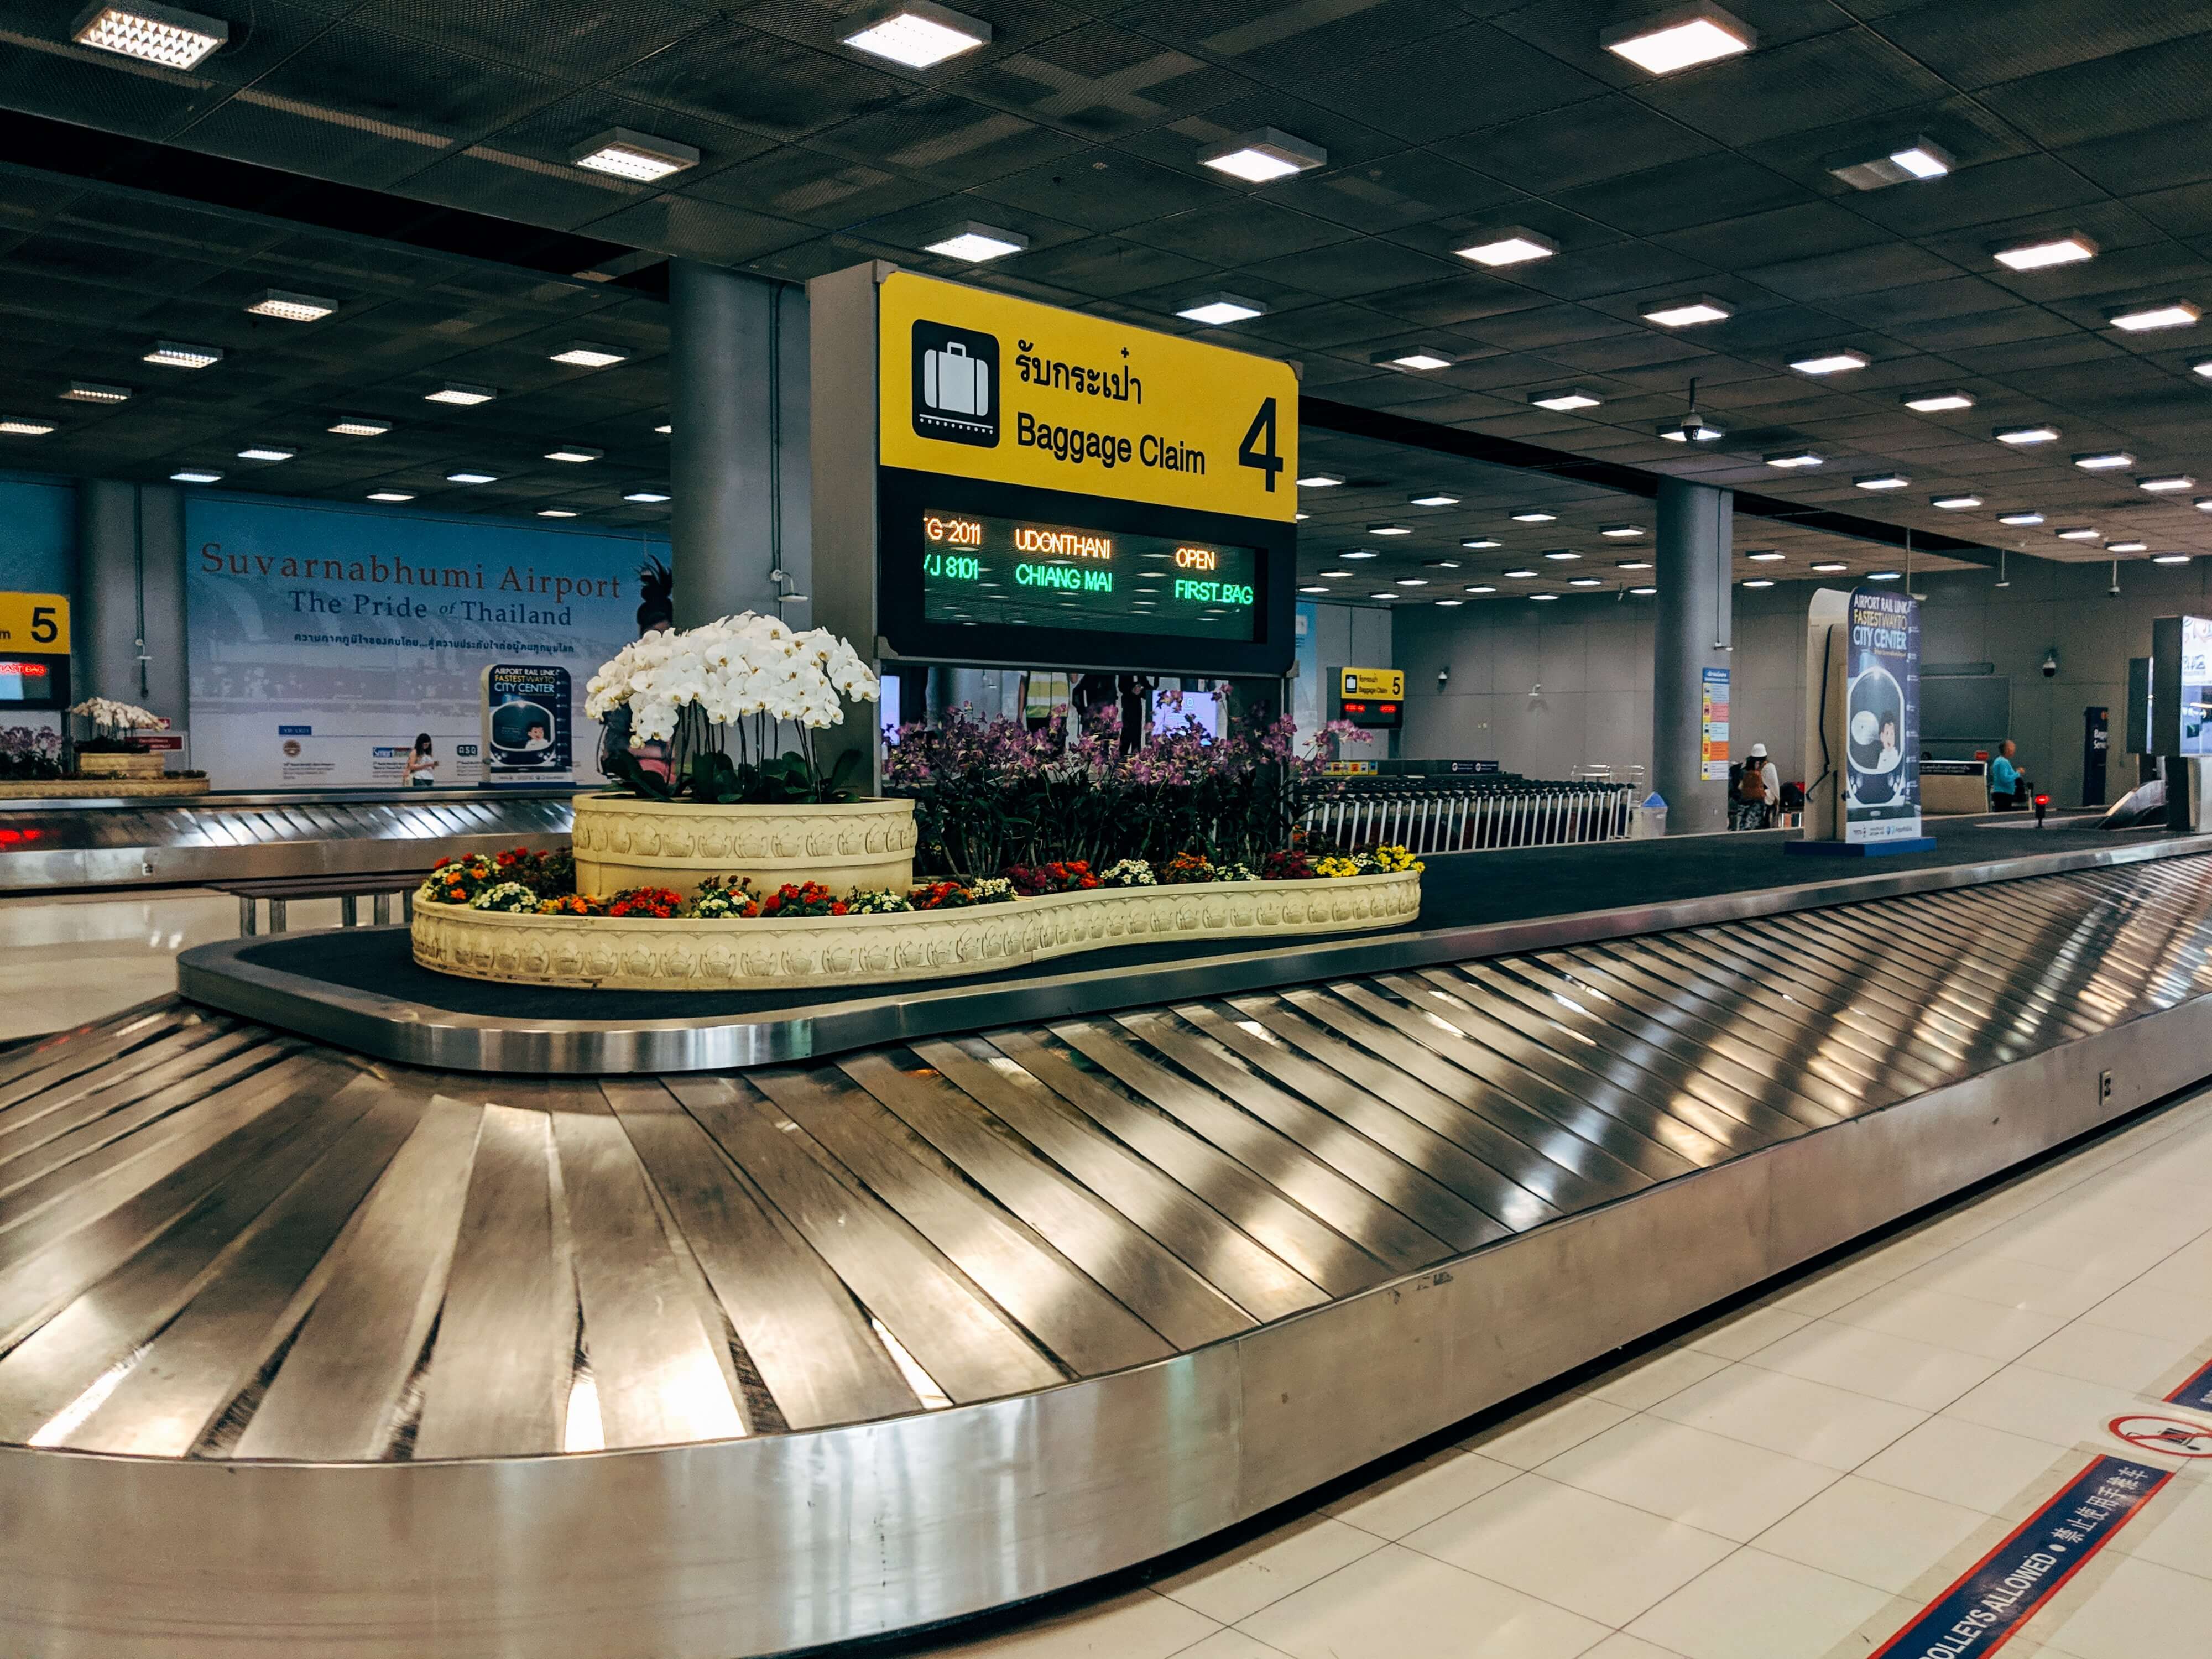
(984, 570)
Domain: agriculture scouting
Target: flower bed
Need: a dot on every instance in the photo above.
(496, 919)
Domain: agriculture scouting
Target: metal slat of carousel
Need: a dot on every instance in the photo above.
(309, 1354)
(106, 842)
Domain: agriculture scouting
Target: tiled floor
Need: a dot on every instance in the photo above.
(1793, 1481)
(72, 959)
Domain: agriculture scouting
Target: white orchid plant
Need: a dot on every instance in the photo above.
(747, 675)
(115, 722)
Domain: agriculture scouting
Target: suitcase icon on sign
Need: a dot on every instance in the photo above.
(956, 371)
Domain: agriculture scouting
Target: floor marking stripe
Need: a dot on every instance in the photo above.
(2196, 1391)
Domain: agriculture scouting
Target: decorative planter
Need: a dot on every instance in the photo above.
(133, 765)
(107, 789)
(596, 952)
(621, 841)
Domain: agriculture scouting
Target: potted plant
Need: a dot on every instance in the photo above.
(704, 786)
(113, 750)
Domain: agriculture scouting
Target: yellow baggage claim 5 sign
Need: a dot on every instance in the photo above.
(979, 385)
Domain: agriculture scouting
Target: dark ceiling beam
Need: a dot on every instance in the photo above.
(1357, 422)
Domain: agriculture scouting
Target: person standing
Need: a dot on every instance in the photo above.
(422, 763)
(2008, 788)
(1767, 774)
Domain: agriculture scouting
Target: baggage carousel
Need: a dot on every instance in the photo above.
(943, 1303)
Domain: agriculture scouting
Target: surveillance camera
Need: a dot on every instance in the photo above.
(2050, 663)
(2113, 591)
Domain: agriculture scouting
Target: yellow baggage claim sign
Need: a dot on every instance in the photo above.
(1058, 487)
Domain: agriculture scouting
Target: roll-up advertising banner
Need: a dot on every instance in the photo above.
(326, 643)
(1881, 801)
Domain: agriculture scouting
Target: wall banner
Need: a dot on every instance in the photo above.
(326, 639)
(1713, 749)
(527, 722)
(1881, 778)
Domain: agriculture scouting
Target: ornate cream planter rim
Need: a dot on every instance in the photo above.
(761, 955)
(615, 798)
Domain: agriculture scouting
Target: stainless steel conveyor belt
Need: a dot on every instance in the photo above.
(320, 1345)
(106, 842)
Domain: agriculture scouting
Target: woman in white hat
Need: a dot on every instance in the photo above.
(1757, 789)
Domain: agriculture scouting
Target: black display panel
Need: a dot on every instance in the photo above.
(981, 568)
(33, 682)
(976, 571)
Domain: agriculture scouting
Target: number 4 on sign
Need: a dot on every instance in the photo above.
(1258, 448)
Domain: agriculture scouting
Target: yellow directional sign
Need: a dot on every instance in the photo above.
(1374, 683)
(981, 385)
(35, 623)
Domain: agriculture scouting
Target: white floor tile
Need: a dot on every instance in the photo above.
(2137, 1610)
(1785, 1413)
(1757, 1606)
(1542, 1432)
(1965, 1463)
(2176, 1531)
(1621, 1645)
(1141, 1626)
(2108, 1355)
(1949, 1321)
(1398, 1603)
(2154, 1310)
(1740, 1335)
(1230, 1644)
(1894, 1368)
(1704, 1481)
(1826, 1292)
(2043, 1404)
(1643, 1383)
(1873, 1534)
(2060, 1292)
(1414, 1496)
(1252, 1575)
(1589, 1554)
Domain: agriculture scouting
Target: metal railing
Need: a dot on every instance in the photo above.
(1467, 815)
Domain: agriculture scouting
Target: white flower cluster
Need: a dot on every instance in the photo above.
(113, 716)
(739, 666)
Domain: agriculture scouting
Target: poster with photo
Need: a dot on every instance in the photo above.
(1881, 776)
(526, 724)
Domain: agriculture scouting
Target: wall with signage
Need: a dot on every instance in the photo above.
(38, 535)
(325, 640)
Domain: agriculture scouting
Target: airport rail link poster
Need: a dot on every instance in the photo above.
(1882, 719)
(324, 640)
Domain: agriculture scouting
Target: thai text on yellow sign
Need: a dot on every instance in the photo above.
(35, 624)
(981, 385)
(1374, 682)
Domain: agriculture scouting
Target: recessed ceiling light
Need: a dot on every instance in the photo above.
(1689, 312)
(154, 34)
(1561, 555)
(1335, 576)
(1478, 544)
(1644, 593)
(2125, 547)
(1358, 553)
(1300, 518)
(2205, 504)
(174, 354)
(1566, 398)
(1534, 515)
(1415, 357)
(1510, 245)
(196, 478)
(1385, 595)
(584, 355)
(1680, 38)
(1452, 601)
(2069, 249)
(1543, 596)
(2166, 485)
(1435, 498)
(1883, 575)
(2172, 313)
(1389, 530)
(1316, 589)
(288, 307)
(22, 426)
(92, 391)
(1830, 362)
(1319, 481)
(1216, 309)
(648, 496)
(2104, 460)
(2024, 435)
(2020, 518)
(390, 495)
(1954, 503)
(1796, 458)
(554, 513)
(2077, 532)
(460, 394)
(572, 452)
(1480, 587)
(1916, 160)
(664, 429)
(1832, 567)
(266, 452)
(1882, 481)
(1764, 556)
(1633, 564)
(918, 33)
(1759, 582)
(1261, 156)
(976, 243)
(1620, 533)
(360, 425)
(472, 478)
(1520, 576)
(1439, 564)
(1584, 582)
(2169, 558)
(1412, 581)
(637, 156)
(1934, 403)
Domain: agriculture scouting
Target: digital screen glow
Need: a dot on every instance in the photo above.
(23, 682)
(984, 570)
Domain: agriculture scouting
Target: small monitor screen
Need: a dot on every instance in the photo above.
(984, 570)
(24, 682)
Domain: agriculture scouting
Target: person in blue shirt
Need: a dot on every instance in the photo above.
(2006, 786)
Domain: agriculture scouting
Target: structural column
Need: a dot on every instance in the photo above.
(128, 607)
(1696, 560)
(738, 461)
